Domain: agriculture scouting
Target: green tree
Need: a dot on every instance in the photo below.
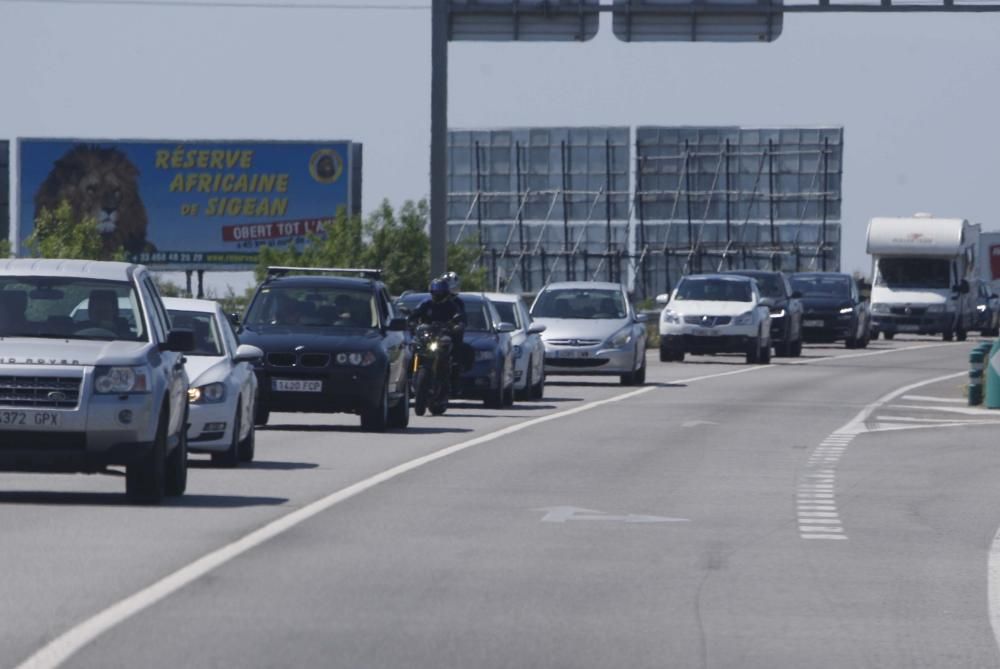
(4, 248)
(465, 260)
(340, 244)
(58, 234)
(399, 245)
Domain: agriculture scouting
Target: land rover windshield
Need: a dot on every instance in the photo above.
(70, 308)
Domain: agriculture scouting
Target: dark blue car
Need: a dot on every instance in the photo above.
(488, 363)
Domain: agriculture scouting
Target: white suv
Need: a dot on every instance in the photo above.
(715, 313)
(85, 389)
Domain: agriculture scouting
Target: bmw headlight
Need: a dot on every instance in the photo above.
(980, 307)
(744, 319)
(211, 393)
(121, 380)
(846, 310)
(672, 317)
(356, 359)
(880, 308)
(485, 355)
(620, 339)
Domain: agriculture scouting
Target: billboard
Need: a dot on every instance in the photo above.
(191, 204)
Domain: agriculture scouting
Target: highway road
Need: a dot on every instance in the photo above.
(837, 510)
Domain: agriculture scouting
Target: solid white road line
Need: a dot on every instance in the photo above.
(968, 411)
(67, 644)
(929, 398)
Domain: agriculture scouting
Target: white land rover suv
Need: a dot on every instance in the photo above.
(715, 313)
(85, 389)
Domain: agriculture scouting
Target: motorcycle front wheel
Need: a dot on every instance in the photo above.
(421, 391)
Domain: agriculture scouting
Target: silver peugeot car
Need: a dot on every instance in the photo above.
(591, 328)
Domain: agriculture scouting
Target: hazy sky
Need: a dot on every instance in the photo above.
(919, 96)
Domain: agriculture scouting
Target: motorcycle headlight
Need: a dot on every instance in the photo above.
(211, 393)
(880, 308)
(620, 339)
(485, 355)
(433, 346)
(672, 317)
(847, 310)
(121, 380)
(744, 319)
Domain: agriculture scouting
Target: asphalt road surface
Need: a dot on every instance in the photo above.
(836, 510)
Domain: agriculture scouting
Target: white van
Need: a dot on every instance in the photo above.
(923, 269)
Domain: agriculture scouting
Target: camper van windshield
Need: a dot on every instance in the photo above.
(914, 273)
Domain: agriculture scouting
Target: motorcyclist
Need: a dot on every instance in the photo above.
(445, 308)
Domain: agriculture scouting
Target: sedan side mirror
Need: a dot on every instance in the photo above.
(962, 287)
(179, 341)
(536, 328)
(663, 298)
(234, 319)
(248, 353)
(506, 327)
(397, 325)
(641, 318)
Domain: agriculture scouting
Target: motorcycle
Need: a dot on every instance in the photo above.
(432, 367)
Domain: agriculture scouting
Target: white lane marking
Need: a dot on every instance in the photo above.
(929, 398)
(561, 514)
(909, 419)
(993, 586)
(857, 424)
(819, 528)
(823, 536)
(967, 411)
(68, 643)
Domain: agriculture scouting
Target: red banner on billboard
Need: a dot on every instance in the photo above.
(995, 262)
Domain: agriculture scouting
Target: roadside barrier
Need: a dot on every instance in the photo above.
(977, 360)
(991, 379)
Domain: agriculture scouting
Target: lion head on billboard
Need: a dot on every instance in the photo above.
(102, 184)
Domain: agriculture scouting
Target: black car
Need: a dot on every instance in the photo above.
(987, 311)
(488, 373)
(834, 309)
(786, 310)
(332, 343)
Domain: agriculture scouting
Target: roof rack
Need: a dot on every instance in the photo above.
(274, 272)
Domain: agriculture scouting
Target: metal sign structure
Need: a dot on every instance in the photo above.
(4, 190)
(523, 20)
(687, 21)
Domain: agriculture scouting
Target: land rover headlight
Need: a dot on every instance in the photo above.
(880, 308)
(121, 380)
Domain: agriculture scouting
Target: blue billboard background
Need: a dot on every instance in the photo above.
(191, 205)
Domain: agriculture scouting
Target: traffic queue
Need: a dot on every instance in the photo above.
(98, 370)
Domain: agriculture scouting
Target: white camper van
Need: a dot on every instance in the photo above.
(922, 272)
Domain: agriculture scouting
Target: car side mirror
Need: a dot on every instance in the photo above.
(536, 328)
(506, 327)
(248, 353)
(962, 287)
(663, 298)
(179, 341)
(641, 318)
(397, 325)
(234, 319)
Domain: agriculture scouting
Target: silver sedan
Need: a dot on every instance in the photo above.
(591, 328)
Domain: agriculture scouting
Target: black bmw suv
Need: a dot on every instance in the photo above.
(834, 308)
(332, 343)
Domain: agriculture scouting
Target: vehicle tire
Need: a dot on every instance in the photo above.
(399, 415)
(961, 334)
(261, 414)
(231, 456)
(889, 335)
(866, 339)
(797, 348)
(528, 385)
(421, 389)
(639, 379)
(764, 357)
(376, 418)
(494, 397)
(665, 354)
(508, 396)
(176, 469)
(538, 390)
(248, 446)
(753, 352)
(145, 479)
(851, 342)
(948, 336)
